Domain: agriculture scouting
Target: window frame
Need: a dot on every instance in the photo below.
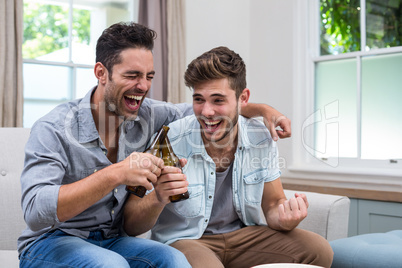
(364, 173)
(73, 69)
(69, 64)
(72, 66)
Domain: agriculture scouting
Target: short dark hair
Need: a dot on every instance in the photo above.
(218, 63)
(119, 37)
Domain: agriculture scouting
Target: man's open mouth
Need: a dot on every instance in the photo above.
(212, 125)
(133, 101)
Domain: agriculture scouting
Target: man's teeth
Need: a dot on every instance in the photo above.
(134, 97)
(210, 123)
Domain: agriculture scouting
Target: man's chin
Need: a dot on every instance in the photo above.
(212, 136)
(131, 117)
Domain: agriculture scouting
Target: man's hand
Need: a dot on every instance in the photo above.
(292, 211)
(171, 182)
(272, 119)
(140, 169)
(137, 169)
(281, 121)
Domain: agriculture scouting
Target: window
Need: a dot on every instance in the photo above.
(59, 49)
(354, 78)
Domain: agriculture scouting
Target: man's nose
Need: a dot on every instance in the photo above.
(207, 110)
(143, 84)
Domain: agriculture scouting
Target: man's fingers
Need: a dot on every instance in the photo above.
(151, 179)
(287, 207)
(183, 162)
(150, 162)
(304, 197)
(158, 162)
(273, 132)
(294, 204)
(156, 171)
(302, 205)
(285, 124)
(170, 169)
(281, 210)
(270, 125)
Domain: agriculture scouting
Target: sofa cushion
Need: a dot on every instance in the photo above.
(11, 163)
(328, 215)
(9, 258)
(368, 250)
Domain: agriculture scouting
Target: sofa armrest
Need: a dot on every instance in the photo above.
(328, 215)
(9, 258)
(11, 164)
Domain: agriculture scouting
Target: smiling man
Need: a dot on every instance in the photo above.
(80, 157)
(237, 214)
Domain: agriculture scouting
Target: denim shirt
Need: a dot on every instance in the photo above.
(64, 147)
(256, 162)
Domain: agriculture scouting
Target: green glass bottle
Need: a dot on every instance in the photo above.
(170, 159)
(154, 149)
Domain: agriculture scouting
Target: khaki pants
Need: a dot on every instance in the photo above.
(254, 245)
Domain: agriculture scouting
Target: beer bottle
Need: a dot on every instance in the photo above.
(170, 159)
(153, 149)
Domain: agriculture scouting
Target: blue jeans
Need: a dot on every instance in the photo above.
(58, 249)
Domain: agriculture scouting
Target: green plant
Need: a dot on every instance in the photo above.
(46, 28)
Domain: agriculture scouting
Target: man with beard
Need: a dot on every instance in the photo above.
(80, 157)
(237, 214)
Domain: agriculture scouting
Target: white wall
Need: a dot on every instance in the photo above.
(271, 60)
(212, 23)
(261, 31)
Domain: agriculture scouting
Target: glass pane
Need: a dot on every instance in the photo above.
(86, 80)
(335, 97)
(82, 50)
(45, 30)
(46, 82)
(90, 18)
(381, 107)
(383, 23)
(34, 110)
(339, 26)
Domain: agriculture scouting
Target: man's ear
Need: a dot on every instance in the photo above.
(244, 97)
(101, 73)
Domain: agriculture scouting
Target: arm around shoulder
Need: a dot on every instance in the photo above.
(272, 119)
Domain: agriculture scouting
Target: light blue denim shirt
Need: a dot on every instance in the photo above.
(256, 162)
(64, 147)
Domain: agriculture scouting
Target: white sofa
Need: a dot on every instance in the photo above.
(328, 214)
(12, 142)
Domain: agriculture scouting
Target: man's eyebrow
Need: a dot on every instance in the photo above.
(218, 95)
(213, 95)
(132, 72)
